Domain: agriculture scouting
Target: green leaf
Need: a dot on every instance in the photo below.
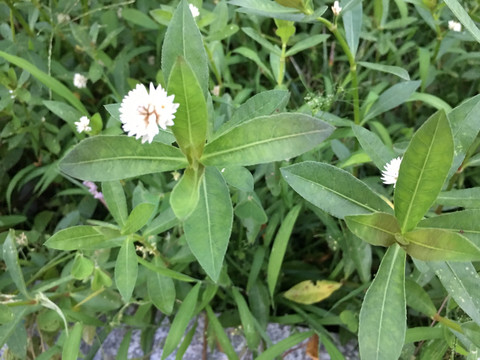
(391, 98)
(108, 158)
(307, 43)
(394, 70)
(423, 170)
(373, 146)
(261, 40)
(238, 177)
(116, 202)
(264, 103)
(53, 84)
(7, 330)
(184, 39)
(64, 111)
(280, 247)
(71, 346)
(462, 16)
(85, 237)
(360, 252)
(462, 282)
(126, 269)
(219, 332)
(6, 314)
(138, 218)
(159, 268)
(163, 222)
(266, 139)
(376, 229)
(283, 345)
(383, 315)
(418, 299)
(333, 190)
(252, 55)
(431, 100)
(247, 319)
(440, 244)
(190, 128)
(467, 198)
(352, 23)
(465, 127)
(10, 256)
(137, 17)
(185, 194)
(161, 290)
(208, 228)
(184, 314)
(82, 267)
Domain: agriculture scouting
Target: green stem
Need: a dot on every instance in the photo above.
(20, 19)
(353, 67)
(281, 70)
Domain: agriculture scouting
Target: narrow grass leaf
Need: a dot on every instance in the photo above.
(219, 332)
(423, 171)
(462, 282)
(10, 256)
(208, 228)
(247, 319)
(122, 353)
(266, 139)
(280, 247)
(71, 346)
(190, 128)
(53, 84)
(184, 39)
(383, 315)
(333, 190)
(307, 43)
(283, 345)
(126, 270)
(185, 313)
(376, 229)
(116, 201)
(108, 158)
(85, 237)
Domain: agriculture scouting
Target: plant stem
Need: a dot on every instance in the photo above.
(281, 70)
(353, 67)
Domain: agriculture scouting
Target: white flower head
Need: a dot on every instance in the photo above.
(142, 112)
(336, 8)
(454, 26)
(80, 81)
(63, 18)
(390, 172)
(83, 124)
(194, 10)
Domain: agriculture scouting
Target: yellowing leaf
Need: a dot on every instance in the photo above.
(309, 292)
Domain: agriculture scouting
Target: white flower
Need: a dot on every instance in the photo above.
(194, 10)
(142, 112)
(454, 26)
(80, 81)
(390, 172)
(63, 18)
(83, 124)
(151, 60)
(336, 8)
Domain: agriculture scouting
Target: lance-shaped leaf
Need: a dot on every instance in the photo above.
(464, 222)
(116, 202)
(85, 237)
(161, 289)
(138, 218)
(440, 244)
(190, 127)
(466, 198)
(352, 22)
(184, 39)
(383, 315)
(423, 170)
(309, 292)
(185, 194)
(266, 139)
(107, 158)
(373, 146)
(462, 282)
(126, 270)
(333, 190)
(376, 229)
(208, 228)
(10, 256)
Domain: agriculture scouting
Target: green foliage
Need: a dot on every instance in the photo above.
(264, 196)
